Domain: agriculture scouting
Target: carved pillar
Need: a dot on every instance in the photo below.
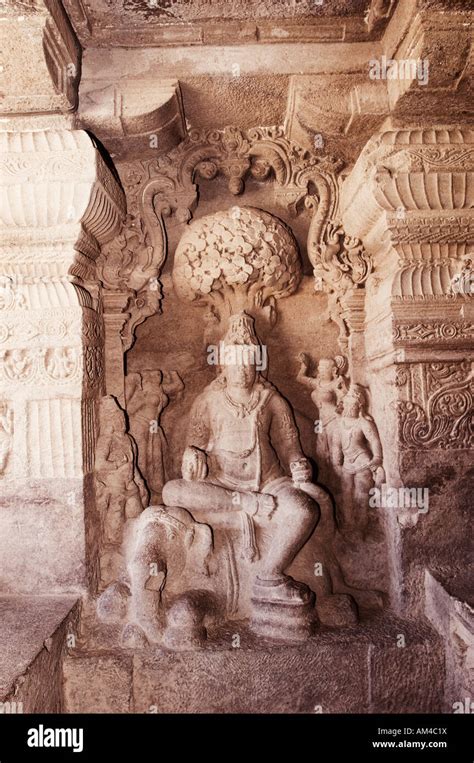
(409, 198)
(127, 270)
(114, 321)
(59, 203)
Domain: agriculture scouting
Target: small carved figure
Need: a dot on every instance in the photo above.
(18, 364)
(357, 450)
(121, 492)
(147, 394)
(327, 390)
(61, 362)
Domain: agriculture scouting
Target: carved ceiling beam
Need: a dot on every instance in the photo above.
(41, 59)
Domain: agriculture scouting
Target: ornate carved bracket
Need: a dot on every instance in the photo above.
(167, 186)
(127, 267)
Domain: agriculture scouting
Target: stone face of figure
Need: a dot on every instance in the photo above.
(242, 447)
(357, 450)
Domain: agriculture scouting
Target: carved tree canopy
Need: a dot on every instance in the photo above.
(242, 256)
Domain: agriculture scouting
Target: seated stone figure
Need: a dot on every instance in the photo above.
(243, 455)
(231, 528)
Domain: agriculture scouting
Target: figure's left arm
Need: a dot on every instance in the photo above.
(172, 385)
(372, 437)
(286, 440)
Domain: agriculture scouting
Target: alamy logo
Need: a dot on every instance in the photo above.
(399, 498)
(464, 707)
(237, 354)
(11, 707)
(391, 68)
(46, 737)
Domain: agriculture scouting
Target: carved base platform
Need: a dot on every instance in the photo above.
(359, 669)
(284, 622)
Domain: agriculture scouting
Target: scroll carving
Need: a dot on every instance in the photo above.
(127, 265)
(438, 411)
(167, 187)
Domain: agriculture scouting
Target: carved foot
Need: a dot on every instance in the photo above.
(282, 590)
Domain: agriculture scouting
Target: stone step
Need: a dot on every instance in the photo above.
(34, 634)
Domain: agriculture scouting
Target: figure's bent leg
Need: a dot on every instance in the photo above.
(296, 517)
(207, 496)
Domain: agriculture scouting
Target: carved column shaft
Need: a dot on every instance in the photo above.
(408, 198)
(59, 203)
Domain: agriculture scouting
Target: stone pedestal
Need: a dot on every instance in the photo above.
(349, 670)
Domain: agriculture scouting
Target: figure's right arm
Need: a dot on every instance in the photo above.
(194, 464)
(302, 376)
(198, 428)
(132, 385)
(102, 453)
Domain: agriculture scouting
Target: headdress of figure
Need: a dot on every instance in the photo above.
(155, 375)
(358, 393)
(241, 331)
(111, 412)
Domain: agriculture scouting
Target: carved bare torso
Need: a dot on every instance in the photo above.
(245, 444)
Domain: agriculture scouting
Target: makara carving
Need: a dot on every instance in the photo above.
(341, 266)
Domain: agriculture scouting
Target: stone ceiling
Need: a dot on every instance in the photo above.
(167, 22)
(139, 74)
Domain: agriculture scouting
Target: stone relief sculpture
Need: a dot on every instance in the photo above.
(121, 492)
(127, 266)
(147, 394)
(357, 454)
(242, 510)
(18, 364)
(437, 411)
(341, 268)
(240, 258)
(348, 447)
(327, 390)
(6, 434)
(61, 362)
